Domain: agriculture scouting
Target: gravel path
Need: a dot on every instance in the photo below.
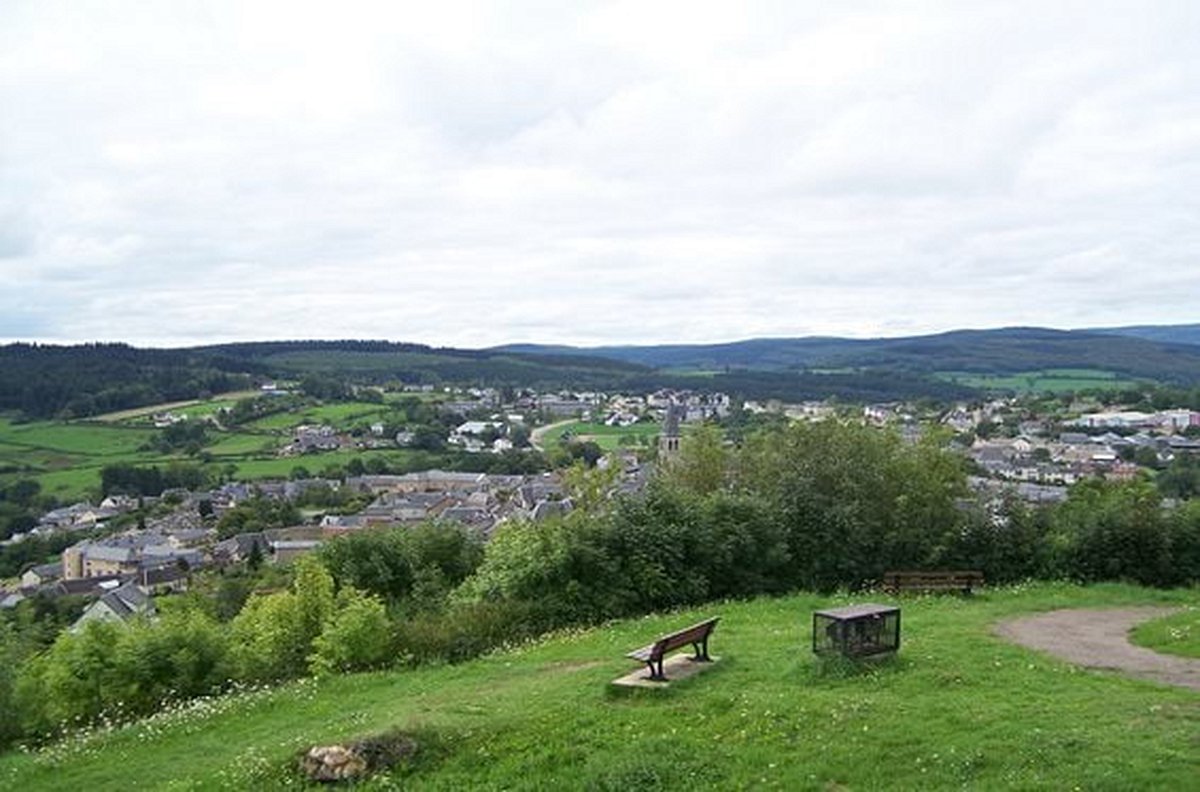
(1100, 639)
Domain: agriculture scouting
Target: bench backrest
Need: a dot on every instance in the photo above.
(966, 577)
(688, 635)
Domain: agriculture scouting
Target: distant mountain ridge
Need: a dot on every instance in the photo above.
(1172, 334)
(1156, 353)
(38, 380)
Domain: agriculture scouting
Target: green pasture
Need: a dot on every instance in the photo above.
(610, 438)
(957, 708)
(90, 439)
(65, 458)
(281, 467)
(1043, 381)
(240, 444)
(341, 416)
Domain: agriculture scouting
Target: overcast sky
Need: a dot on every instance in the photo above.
(563, 172)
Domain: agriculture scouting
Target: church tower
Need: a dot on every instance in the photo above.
(668, 441)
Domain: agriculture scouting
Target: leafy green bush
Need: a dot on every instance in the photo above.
(469, 629)
(357, 637)
(420, 564)
(274, 633)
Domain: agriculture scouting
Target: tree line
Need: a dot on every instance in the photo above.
(46, 381)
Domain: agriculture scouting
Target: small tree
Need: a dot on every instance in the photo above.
(356, 638)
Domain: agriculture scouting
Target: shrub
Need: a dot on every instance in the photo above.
(468, 629)
(357, 637)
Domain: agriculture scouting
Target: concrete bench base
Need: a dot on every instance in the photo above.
(676, 667)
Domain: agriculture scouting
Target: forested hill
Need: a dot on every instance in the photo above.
(986, 351)
(42, 381)
(45, 381)
(1172, 334)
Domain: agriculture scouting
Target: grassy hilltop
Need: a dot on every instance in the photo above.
(959, 707)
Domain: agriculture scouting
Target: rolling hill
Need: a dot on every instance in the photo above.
(44, 381)
(1005, 350)
(1171, 334)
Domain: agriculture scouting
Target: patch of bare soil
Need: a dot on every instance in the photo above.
(1100, 639)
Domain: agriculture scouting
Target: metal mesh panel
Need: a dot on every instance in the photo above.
(858, 634)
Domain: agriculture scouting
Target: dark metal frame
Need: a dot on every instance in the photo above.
(855, 620)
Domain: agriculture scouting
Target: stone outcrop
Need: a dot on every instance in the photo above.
(356, 760)
(333, 763)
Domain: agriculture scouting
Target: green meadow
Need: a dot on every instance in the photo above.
(1042, 381)
(66, 457)
(342, 415)
(957, 708)
(610, 438)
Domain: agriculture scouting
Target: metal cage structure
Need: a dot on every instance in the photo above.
(857, 630)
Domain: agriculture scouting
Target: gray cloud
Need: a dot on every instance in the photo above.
(633, 172)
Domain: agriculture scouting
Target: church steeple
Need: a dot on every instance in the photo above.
(668, 441)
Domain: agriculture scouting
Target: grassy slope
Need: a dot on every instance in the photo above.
(1176, 634)
(959, 707)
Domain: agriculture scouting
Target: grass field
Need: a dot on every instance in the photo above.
(1044, 381)
(66, 457)
(280, 467)
(609, 437)
(1176, 634)
(338, 415)
(92, 439)
(959, 708)
(241, 444)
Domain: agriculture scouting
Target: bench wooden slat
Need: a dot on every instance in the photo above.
(950, 580)
(696, 635)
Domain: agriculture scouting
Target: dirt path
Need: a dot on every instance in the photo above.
(1100, 639)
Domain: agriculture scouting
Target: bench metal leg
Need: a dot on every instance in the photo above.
(656, 674)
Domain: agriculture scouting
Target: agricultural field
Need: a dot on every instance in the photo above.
(66, 457)
(81, 437)
(1044, 381)
(238, 444)
(958, 708)
(281, 467)
(609, 438)
(340, 415)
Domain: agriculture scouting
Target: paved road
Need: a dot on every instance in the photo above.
(535, 437)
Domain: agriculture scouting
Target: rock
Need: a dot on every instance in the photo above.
(329, 763)
(333, 763)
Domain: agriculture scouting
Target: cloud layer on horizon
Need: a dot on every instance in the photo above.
(474, 174)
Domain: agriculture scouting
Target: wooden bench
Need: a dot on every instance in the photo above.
(696, 635)
(961, 581)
